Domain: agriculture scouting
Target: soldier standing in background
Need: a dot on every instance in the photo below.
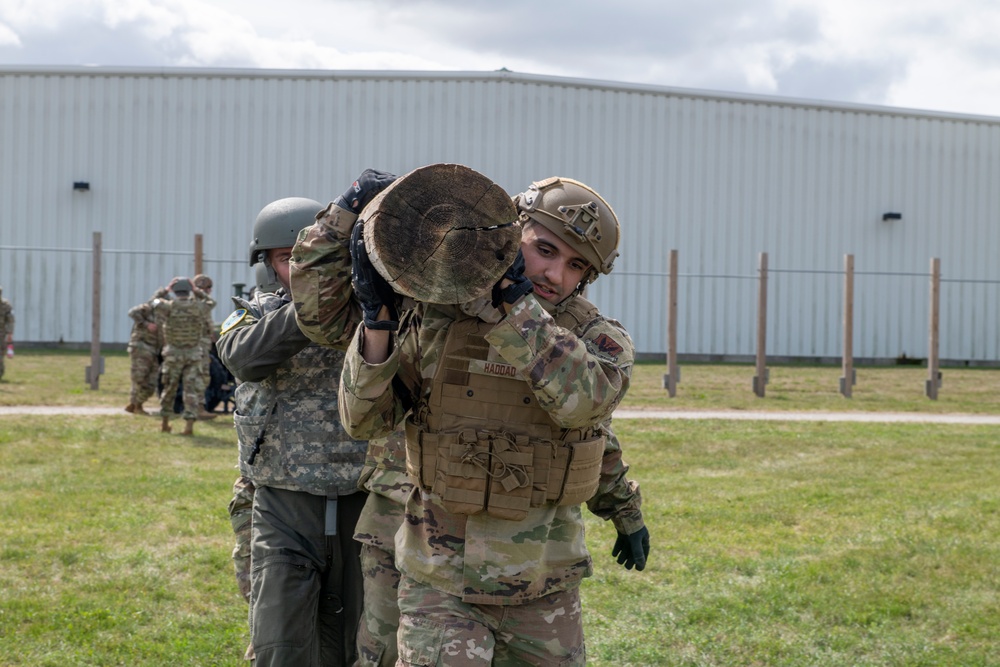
(299, 469)
(509, 401)
(183, 321)
(144, 347)
(204, 283)
(6, 328)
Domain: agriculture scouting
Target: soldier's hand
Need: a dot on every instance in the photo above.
(363, 190)
(370, 288)
(632, 549)
(513, 285)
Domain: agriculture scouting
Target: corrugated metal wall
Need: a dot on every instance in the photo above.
(174, 153)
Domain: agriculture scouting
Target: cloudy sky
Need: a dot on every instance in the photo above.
(920, 54)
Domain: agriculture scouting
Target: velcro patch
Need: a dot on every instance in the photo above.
(234, 318)
(608, 345)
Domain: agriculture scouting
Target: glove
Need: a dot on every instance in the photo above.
(362, 191)
(632, 550)
(370, 288)
(519, 287)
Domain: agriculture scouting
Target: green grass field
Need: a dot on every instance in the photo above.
(773, 543)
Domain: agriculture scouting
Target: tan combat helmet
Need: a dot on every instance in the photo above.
(202, 282)
(579, 216)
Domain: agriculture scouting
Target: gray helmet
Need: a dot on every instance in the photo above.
(577, 215)
(278, 224)
(181, 285)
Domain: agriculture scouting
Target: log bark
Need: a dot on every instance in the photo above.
(443, 233)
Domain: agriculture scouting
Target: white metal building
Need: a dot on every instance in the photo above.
(171, 153)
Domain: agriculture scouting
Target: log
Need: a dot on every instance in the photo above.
(443, 233)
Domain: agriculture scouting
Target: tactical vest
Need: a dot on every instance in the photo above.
(482, 442)
(183, 324)
(288, 425)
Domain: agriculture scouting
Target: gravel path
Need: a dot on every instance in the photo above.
(908, 417)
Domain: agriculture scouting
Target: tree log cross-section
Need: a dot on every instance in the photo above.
(443, 233)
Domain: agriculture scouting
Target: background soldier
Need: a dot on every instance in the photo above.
(6, 328)
(299, 469)
(183, 321)
(207, 342)
(502, 389)
(144, 347)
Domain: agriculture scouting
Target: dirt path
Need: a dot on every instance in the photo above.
(884, 417)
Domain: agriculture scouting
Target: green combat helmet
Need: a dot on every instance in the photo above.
(577, 215)
(277, 226)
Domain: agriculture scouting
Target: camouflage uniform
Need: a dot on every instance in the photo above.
(388, 486)
(299, 475)
(207, 338)
(144, 347)
(6, 329)
(183, 323)
(475, 566)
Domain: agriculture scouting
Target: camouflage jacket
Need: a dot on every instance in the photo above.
(320, 276)
(286, 414)
(142, 316)
(578, 376)
(6, 319)
(388, 485)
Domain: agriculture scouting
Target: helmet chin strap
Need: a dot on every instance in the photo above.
(272, 277)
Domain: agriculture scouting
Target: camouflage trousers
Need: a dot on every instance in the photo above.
(240, 516)
(145, 371)
(3, 352)
(439, 629)
(206, 363)
(377, 630)
(182, 364)
(240, 513)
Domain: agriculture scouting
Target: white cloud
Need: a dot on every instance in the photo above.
(923, 53)
(8, 37)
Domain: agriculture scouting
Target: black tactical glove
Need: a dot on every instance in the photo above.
(363, 190)
(632, 549)
(519, 287)
(370, 288)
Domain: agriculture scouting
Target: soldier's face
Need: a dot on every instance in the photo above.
(551, 264)
(278, 259)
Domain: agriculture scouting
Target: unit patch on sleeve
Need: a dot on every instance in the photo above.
(608, 346)
(235, 318)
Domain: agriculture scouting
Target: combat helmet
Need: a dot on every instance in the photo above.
(202, 282)
(278, 224)
(577, 215)
(180, 285)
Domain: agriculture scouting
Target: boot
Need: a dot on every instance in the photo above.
(130, 407)
(137, 409)
(204, 414)
(188, 427)
(165, 426)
